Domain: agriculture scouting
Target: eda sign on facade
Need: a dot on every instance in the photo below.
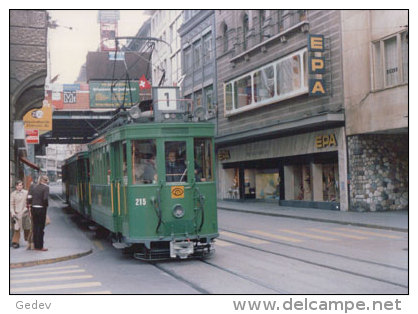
(316, 60)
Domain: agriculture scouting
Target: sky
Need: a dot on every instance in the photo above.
(68, 48)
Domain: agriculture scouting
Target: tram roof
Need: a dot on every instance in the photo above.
(156, 130)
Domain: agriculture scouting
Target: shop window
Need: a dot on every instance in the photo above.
(330, 181)
(203, 159)
(144, 169)
(176, 161)
(264, 84)
(301, 182)
(242, 92)
(232, 183)
(267, 184)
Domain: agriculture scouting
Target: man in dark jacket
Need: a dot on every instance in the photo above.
(38, 198)
(175, 170)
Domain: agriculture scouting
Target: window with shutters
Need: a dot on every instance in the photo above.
(390, 61)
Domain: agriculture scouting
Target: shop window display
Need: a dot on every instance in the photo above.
(330, 182)
(267, 185)
(232, 183)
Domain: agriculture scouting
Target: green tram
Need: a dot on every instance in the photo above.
(76, 183)
(152, 185)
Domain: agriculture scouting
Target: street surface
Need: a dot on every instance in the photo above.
(255, 254)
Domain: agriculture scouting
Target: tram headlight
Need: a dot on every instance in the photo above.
(178, 211)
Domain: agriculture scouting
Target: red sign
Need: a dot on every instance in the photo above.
(32, 136)
(143, 83)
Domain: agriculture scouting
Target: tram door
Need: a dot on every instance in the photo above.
(177, 197)
(118, 182)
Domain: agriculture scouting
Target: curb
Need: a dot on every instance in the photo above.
(317, 219)
(50, 260)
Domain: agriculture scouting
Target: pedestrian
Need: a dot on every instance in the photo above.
(38, 198)
(19, 214)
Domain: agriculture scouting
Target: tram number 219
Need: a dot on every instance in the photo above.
(140, 201)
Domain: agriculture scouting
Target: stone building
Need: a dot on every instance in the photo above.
(28, 70)
(281, 129)
(375, 51)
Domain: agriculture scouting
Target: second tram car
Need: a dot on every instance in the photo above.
(152, 185)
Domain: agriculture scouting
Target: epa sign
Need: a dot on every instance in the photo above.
(316, 61)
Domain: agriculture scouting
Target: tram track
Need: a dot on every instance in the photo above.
(176, 276)
(310, 262)
(180, 278)
(314, 250)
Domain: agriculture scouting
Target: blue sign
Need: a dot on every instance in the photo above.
(120, 56)
(70, 87)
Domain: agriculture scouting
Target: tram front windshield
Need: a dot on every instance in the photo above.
(176, 161)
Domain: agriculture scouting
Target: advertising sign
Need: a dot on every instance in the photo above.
(102, 95)
(316, 65)
(32, 136)
(39, 119)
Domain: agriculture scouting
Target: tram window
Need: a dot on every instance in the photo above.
(176, 161)
(203, 159)
(144, 170)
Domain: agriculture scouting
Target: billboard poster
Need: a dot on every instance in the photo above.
(123, 92)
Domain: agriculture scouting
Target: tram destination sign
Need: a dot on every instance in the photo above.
(102, 95)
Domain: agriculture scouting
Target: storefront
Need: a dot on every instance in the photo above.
(304, 170)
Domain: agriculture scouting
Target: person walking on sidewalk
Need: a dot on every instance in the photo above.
(38, 198)
(19, 214)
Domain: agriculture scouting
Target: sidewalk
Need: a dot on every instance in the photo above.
(62, 238)
(397, 220)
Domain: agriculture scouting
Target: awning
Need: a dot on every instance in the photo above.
(29, 163)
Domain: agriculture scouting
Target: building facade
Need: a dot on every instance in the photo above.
(28, 71)
(166, 57)
(199, 61)
(281, 132)
(375, 51)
